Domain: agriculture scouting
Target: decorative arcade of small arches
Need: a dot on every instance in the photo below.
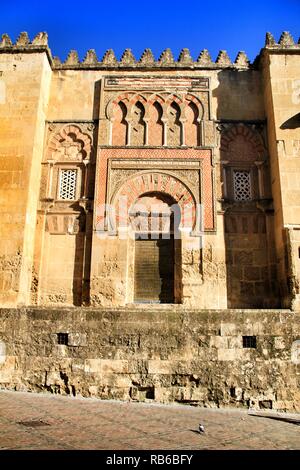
(169, 121)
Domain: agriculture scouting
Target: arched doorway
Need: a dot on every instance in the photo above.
(155, 219)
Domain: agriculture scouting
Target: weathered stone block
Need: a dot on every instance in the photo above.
(218, 342)
(77, 339)
(228, 329)
(279, 342)
(235, 342)
(160, 367)
(2, 352)
(228, 354)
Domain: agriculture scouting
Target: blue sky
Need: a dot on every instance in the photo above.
(232, 25)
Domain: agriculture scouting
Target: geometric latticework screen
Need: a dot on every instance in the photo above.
(242, 185)
(67, 184)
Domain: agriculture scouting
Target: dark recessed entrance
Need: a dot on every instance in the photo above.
(154, 270)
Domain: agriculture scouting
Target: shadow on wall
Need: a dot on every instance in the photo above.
(292, 123)
(239, 95)
(79, 260)
(96, 104)
(83, 242)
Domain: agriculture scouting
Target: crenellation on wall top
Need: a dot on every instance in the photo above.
(223, 59)
(41, 39)
(242, 60)
(286, 41)
(147, 60)
(127, 59)
(23, 44)
(91, 57)
(73, 58)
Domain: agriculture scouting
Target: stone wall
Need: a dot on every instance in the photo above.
(164, 354)
(280, 67)
(25, 80)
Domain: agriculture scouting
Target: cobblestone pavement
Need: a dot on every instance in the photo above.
(40, 421)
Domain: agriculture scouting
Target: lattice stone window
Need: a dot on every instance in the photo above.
(242, 185)
(67, 184)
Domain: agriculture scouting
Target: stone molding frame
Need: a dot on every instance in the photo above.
(64, 135)
(242, 147)
(69, 147)
(229, 133)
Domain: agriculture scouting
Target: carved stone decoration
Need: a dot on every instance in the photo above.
(192, 177)
(127, 58)
(223, 59)
(5, 41)
(154, 182)
(166, 58)
(204, 58)
(91, 57)
(90, 127)
(72, 58)
(174, 124)
(51, 127)
(241, 143)
(119, 176)
(137, 137)
(11, 266)
(44, 181)
(69, 144)
(41, 39)
(270, 41)
(109, 58)
(70, 224)
(185, 57)
(147, 58)
(286, 39)
(242, 60)
(23, 39)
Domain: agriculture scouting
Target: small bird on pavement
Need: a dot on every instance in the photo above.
(201, 429)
